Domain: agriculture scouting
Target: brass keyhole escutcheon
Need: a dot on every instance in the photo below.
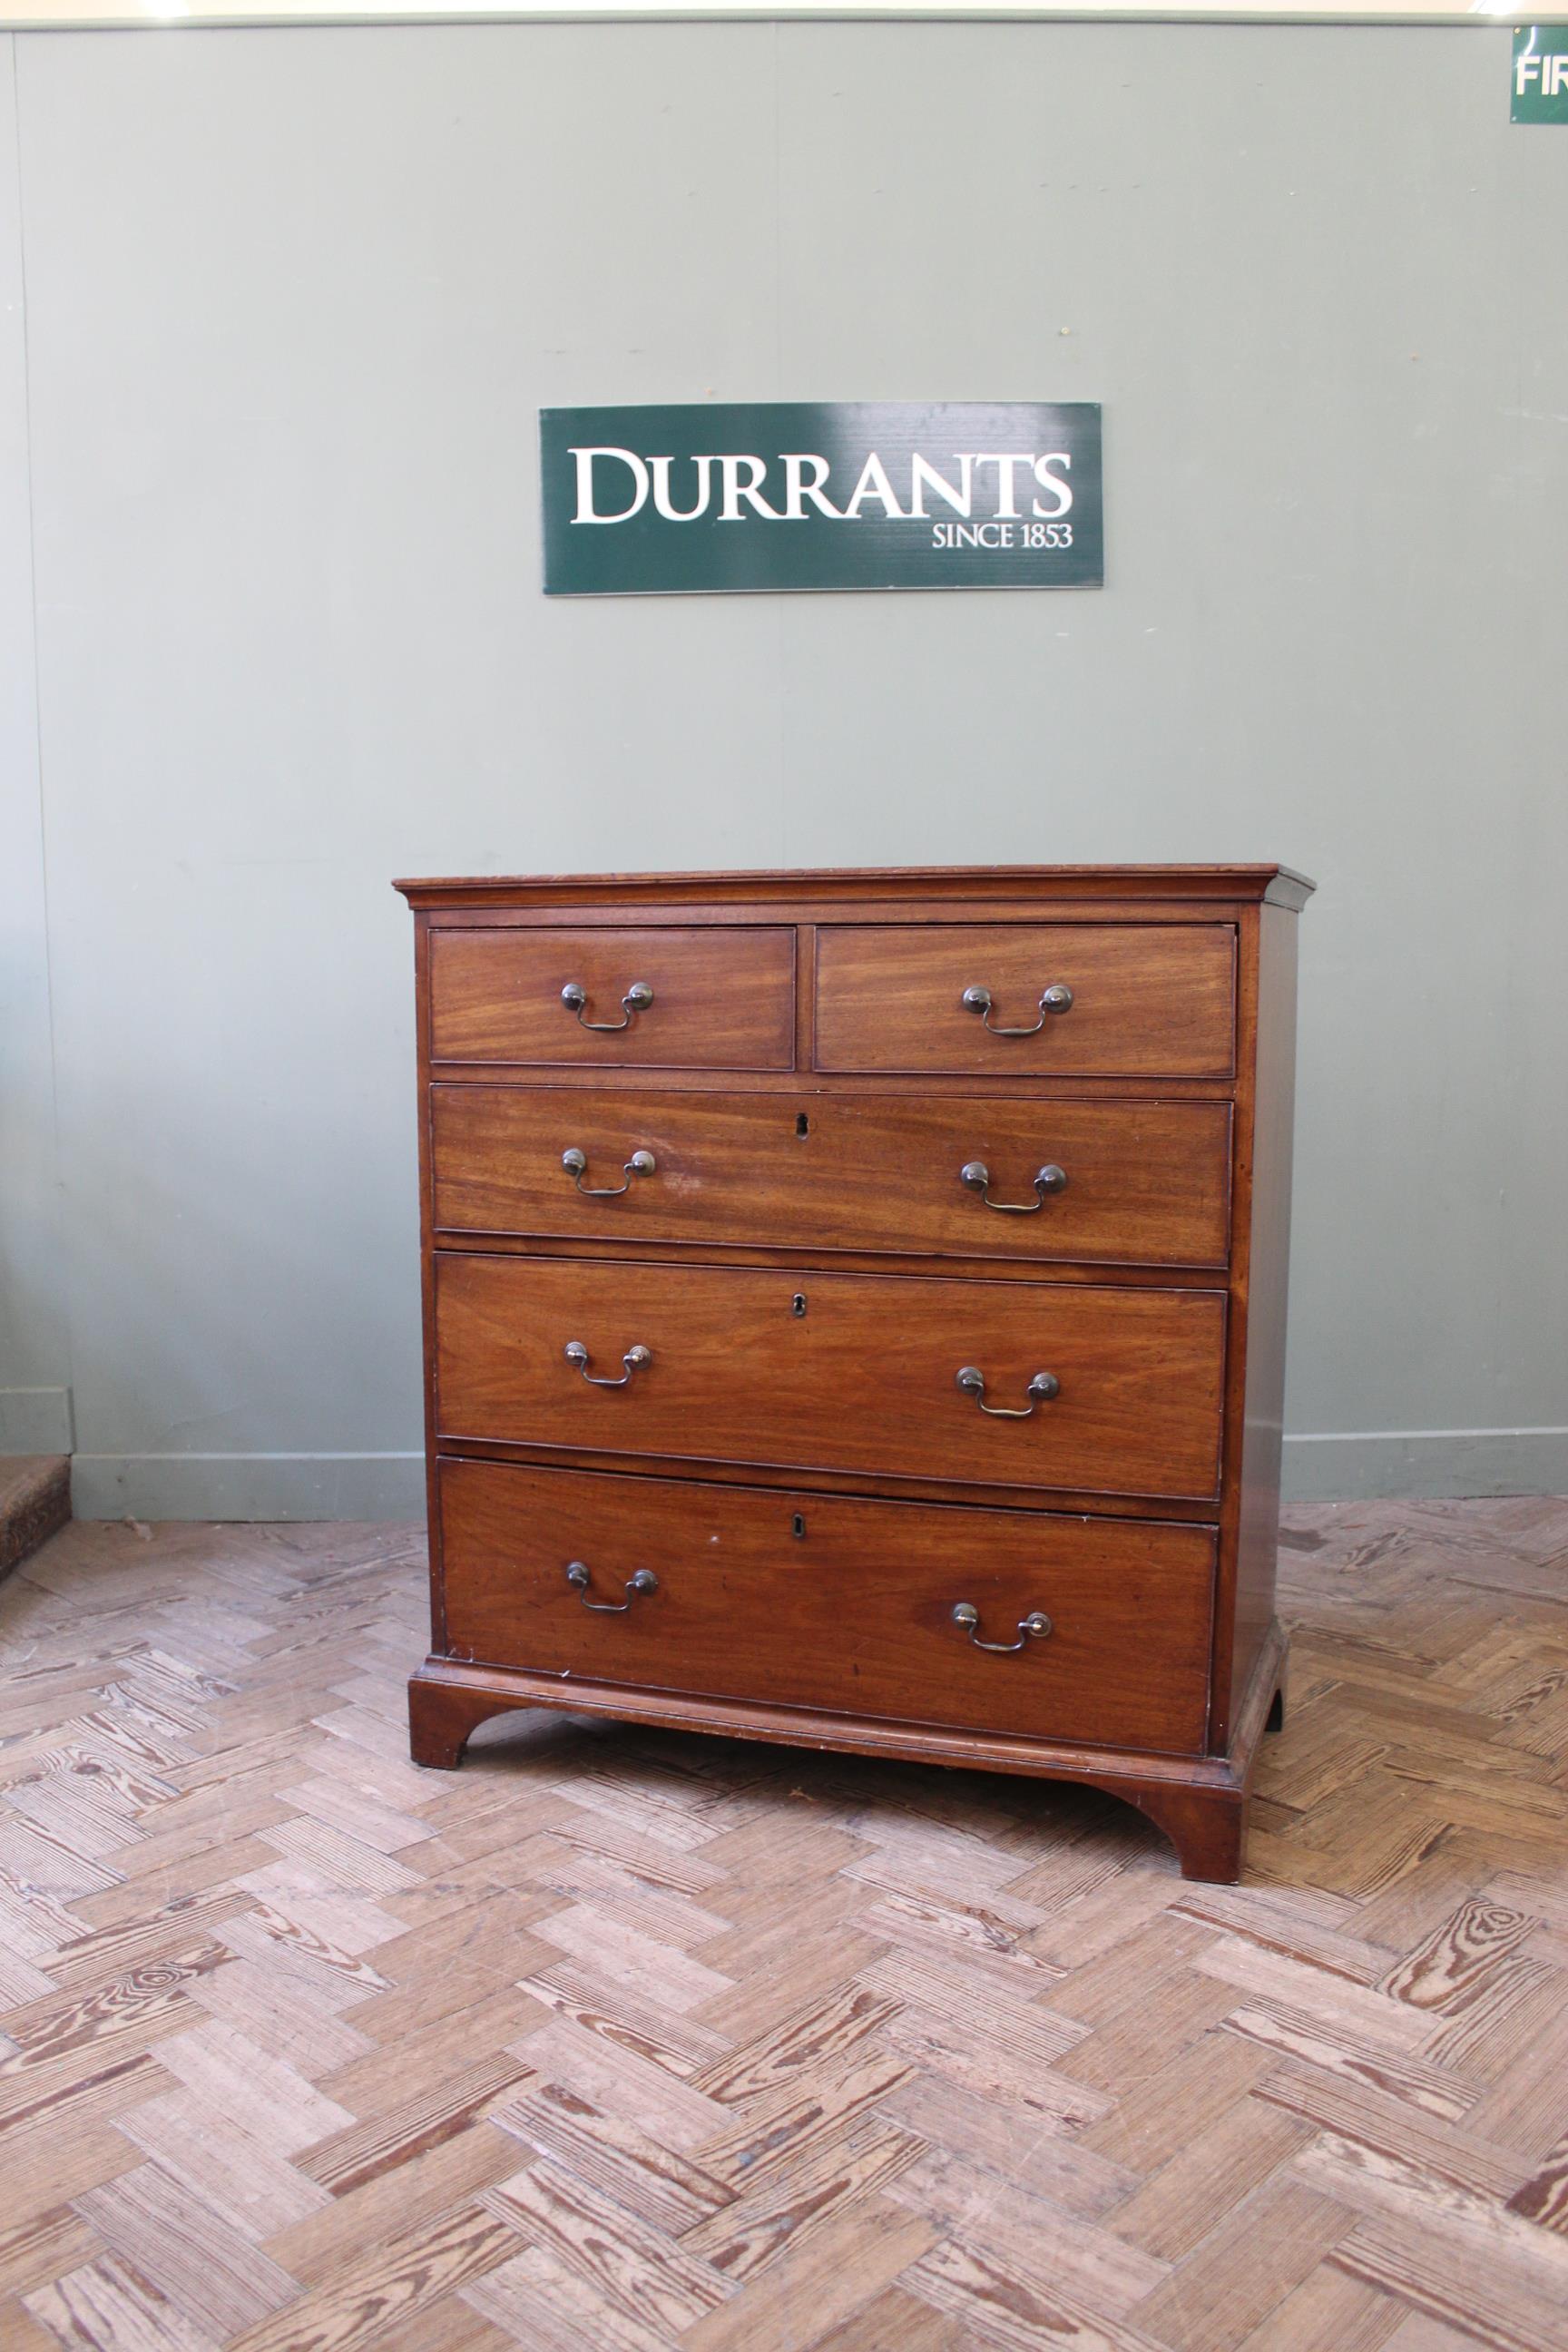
(801, 1124)
(797, 1304)
(797, 1525)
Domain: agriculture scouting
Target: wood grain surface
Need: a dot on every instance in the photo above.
(627, 2040)
(1181, 887)
(723, 997)
(819, 1281)
(1148, 1000)
(1148, 1184)
(810, 1602)
(860, 1375)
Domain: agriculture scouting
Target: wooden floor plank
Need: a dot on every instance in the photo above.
(108, 2306)
(743, 2236)
(387, 2285)
(206, 2147)
(208, 2271)
(1244, 2270)
(537, 2302)
(1008, 2307)
(614, 2153)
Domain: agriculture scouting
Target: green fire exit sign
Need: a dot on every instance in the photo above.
(1540, 85)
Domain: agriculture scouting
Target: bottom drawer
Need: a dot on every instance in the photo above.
(811, 1600)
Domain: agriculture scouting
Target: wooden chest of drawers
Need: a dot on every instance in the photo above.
(854, 1313)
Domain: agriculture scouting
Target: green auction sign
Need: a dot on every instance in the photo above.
(805, 494)
(1540, 85)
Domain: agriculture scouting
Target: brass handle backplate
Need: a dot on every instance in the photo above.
(635, 1359)
(645, 1581)
(637, 999)
(575, 1163)
(975, 1174)
(1041, 1389)
(1057, 998)
(1034, 1627)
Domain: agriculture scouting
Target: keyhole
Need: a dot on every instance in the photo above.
(801, 1124)
(797, 1304)
(797, 1524)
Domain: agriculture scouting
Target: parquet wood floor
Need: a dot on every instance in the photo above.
(618, 2042)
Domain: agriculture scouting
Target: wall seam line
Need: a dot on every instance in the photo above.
(64, 1302)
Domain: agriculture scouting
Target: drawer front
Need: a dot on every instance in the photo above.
(720, 998)
(1141, 999)
(837, 1371)
(1136, 1183)
(807, 1600)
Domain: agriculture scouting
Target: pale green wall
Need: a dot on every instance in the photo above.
(34, 1409)
(293, 298)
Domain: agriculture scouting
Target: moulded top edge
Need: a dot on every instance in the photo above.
(1279, 884)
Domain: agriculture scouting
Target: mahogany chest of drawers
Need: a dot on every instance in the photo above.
(855, 1314)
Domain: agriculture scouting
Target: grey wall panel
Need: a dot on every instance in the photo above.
(35, 1392)
(294, 299)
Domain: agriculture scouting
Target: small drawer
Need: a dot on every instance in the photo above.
(1034, 1000)
(811, 1600)
(1134, 1183)
(694, 998)
(1084, 1388)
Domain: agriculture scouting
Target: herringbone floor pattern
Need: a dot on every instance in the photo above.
(617, 2043)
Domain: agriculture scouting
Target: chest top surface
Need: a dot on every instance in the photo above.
(912, 887)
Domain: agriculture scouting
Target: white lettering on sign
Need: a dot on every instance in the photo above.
(923, 476)
(613, 485)
(1047, 482)
(796, 490)
(874, 484)
(627, 457)
(1000, 534)
(735, 489)
(1006, 467)
(1550, 72)
(659, 469)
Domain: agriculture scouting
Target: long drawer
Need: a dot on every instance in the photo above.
(1080, 1388)
(807, 1600)
(1137, 1183)
(1029, 1000)
(698, 997)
